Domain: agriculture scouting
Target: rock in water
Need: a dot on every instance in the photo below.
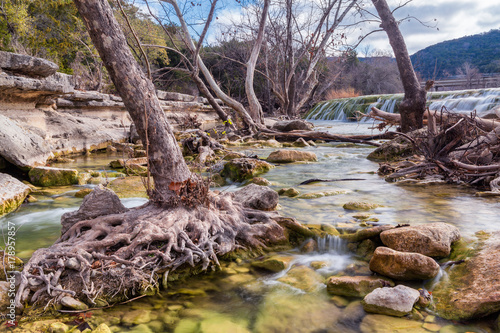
(433, 240)
(473, 288)
(47, 176)
(403, 265)
(240, 169)
(12, 193)
(257, 197)
(290, 156)
(355, 286)
(292, 125)
(397, 301)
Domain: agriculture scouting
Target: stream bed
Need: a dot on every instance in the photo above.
(239, 298)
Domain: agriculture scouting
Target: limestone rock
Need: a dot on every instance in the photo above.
(363, 234)
(261, 181)
(73, 304)
(103, 328)
(397, 301)
(27, 65)
(473, 288)
(58, 328)
(403, 265)
(352, 315)
(355, 286)
(257, 197)
(122, 163)
(292, 125)
(240, 169)
(433, 240)
(290, 156)
(21, 147)
(12, 193)
(48, 176)
(99, 202)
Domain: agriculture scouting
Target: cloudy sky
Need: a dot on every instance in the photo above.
(454, 18)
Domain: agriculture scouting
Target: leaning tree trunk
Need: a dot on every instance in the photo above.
(412, 107)
(166, 163)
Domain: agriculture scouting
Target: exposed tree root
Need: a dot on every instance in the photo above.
(121, 254)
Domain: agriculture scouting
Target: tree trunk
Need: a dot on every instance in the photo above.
(255, 109)
(413, 105)
(166, 163)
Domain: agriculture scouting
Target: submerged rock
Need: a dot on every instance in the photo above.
(473, 287)
(383, 324)
(303, 277)
(289, 192)
(403, 265)
(397, 301)
(240, 169)
(257, 197)
(357, 205)
(356, 286)
(290, 156)
(273, 264)
(47, 176)
(433, 240)
(12, 193)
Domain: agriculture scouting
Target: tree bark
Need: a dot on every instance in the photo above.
(413, 105)
(166, 163)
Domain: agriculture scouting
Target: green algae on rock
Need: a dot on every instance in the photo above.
(12, 193)
(47, 176)
(240, 169)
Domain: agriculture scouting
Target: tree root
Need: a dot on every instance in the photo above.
(121, 254)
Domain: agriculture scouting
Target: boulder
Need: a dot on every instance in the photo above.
(397, 301)
(47, 176)
(99, 202)
(290, 156)
(21, 147)
(27, 65)
(12, 193)
(240, 169)
(403, 265)
(355, 286)
(73, 304)
(292, 125)
(257, 197)
(472, 289)
(433, 240)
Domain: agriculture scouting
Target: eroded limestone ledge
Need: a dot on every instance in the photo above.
(12, 193)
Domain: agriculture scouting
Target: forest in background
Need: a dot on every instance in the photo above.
(52, 29)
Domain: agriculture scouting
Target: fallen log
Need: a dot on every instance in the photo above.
(317, 180)
(328, 137)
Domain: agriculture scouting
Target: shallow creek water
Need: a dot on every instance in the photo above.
(238, 298)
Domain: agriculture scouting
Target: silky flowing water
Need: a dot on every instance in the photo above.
(238, 298)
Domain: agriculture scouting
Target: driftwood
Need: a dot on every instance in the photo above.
(457, 148)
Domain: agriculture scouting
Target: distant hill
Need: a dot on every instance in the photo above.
(442, 60)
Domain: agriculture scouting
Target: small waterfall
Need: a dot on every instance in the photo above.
(484, 101)
(331, 244)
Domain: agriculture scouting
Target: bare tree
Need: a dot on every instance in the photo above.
(412, 107)
(470, 73)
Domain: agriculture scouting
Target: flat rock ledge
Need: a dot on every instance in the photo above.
(433, 239)
(12, 193)
(397, 301)
(403, 266)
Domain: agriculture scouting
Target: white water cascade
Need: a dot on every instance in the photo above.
(486, 102)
